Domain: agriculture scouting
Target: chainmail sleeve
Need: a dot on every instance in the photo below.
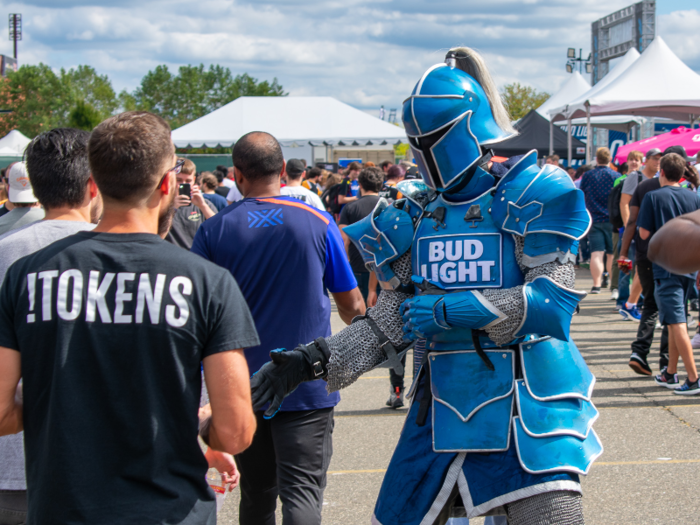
(355, 349)
(510, 301)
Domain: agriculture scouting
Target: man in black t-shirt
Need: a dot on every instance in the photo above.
(111, 328)
(371, 182)
(650, 313)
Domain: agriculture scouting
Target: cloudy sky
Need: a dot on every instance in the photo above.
(364, 52)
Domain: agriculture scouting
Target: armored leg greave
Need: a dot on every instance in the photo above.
(551, 508)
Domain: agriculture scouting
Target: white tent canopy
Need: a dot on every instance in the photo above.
(293, 121)
(575, 86)
(568, 109)
(14, 143)
(615, 122)
(658, 84)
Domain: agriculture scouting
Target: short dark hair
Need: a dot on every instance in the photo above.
(354, 166)
(258, 156)
(222, 168)
(313, 173)
(58, 168)
(127, 153)
(395, 172)
(371, 179)
(673, 166)
(219, 175)
(385, 164)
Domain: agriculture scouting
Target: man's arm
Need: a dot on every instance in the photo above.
(346, 239)
(203, 204)
(10, 396)
(350, 304)
(674, 245)
(372, 292)
(232, 424)
(644, 234)
(625, 207)
(344, 199)
(630, 228)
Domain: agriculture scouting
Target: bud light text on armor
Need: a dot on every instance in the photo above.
(461, 261)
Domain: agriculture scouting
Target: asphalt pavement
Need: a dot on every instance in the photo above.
(651, 437)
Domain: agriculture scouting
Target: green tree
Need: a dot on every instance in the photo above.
(41, 99)
(84, 116)
(519, 99)
(94, 91)
(193, 92)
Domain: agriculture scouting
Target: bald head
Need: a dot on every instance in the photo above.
(258, 156)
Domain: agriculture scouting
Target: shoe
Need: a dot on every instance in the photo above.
(595, 289)
(615, 295)
(695, 341)
(688, 388)
(586, 265)
(630, 314)
(395, 398)
(667, 380)
(604, 284)
(639, 365)
(695, 305)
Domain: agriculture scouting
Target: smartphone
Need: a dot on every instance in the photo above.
(185, 189)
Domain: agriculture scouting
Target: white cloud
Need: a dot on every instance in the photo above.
(364, 52)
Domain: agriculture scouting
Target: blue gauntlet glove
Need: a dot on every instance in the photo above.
(424, 316)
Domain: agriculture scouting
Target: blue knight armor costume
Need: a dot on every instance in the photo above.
(477, 274)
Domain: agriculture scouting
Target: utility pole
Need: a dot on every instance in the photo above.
(15, 29)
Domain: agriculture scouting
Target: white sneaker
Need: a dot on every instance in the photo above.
(614, 295)
(695, 341)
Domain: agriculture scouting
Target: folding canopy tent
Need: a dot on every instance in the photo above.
(575, 86)
(14, 143)
(534, 133)
(658, 84)
(566, 111)
(315, 121)
(688, 138)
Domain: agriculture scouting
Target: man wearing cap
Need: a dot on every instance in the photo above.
(294, 170)
(26, 206)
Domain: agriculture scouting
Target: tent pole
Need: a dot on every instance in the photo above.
(568, 141)
(551, 137)
(589, 141)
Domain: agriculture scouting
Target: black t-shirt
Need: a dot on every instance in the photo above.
(222, 190)
(353, 212)
(112, 329)
(186, 222)
(644, 187)
(390, 193)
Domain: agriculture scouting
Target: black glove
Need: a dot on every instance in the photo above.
(287, 370)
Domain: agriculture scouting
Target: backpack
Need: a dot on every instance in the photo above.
(614, 201)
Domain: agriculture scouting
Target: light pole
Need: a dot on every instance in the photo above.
(572, 60)
(15, 29)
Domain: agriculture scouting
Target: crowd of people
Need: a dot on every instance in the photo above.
(124, 266)
(117, 259)
(628, 204)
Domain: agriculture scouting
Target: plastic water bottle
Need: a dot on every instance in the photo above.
(217, 484)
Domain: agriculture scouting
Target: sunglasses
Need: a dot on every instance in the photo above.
(175, 169)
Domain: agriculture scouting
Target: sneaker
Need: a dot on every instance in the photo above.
(395, 398)
(639, 364)
(695, 341)
(667, 380)
(615, 295)
(595, 289)
(630, 314)
(605, 280)
(688, 388)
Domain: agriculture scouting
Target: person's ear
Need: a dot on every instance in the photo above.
(284, 169)
(92, 187)
(167, 182)
(237, 175)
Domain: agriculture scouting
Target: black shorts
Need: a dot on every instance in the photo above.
(600, 237)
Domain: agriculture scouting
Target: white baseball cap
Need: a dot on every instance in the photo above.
(21, 190)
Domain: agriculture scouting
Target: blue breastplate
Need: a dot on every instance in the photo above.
(464, 251)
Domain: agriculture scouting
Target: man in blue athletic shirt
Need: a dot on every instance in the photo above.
(284, 254)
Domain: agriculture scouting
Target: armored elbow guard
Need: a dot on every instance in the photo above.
(548, 308)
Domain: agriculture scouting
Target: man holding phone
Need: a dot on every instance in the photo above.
(192, 209)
